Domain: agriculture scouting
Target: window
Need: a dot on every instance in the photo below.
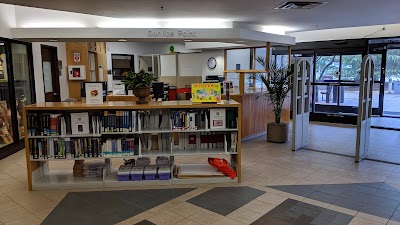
(327, 68)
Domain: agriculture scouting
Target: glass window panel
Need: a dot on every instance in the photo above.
(238, 59)
(6, 133)
(349, 95)
(281, 60)
(327, 68)
(391, 104)
(48, 78)
(260, 52)
(378, 65)
(20, 61)
(234, 77)
(351, 67)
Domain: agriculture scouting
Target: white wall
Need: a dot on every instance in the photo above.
(38, 69)
(189, 64)
(7, 20)
(141, 48)
(219, 56)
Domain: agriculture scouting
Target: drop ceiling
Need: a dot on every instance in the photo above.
(334, 14)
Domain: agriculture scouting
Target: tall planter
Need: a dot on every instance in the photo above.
(277, 132)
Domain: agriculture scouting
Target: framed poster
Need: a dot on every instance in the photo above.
(94, 93)
(206, 92)
(77, 57)
(77, 72)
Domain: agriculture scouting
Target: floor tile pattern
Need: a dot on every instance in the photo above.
(145, 222)
(378, 199)
(299, 213)
(224, 200)
(113, 206)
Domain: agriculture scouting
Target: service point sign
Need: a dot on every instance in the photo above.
(77, 57)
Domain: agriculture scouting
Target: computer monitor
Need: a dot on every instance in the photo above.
(158, 90)
(83, 91)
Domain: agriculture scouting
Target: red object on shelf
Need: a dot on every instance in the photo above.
(223, 166)
(172, 93)
(187, 91)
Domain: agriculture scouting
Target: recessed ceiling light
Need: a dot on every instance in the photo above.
(53, 40)
(240, 41)
(122, 40)
(188, 40)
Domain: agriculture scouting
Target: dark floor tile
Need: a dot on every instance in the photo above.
(354, 204)
(357, 195)
(378, 211)
(302, 190)
(145, 222)
(373, 184)
(388, 194)
(323, 197)
(224, 200)
(302, 220)
(396, 216)
(362, 189)
(383, 202)
(299, 213)
(333, 189)
(388, 187)
(108, 207)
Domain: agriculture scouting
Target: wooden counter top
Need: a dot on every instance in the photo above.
(128, 105)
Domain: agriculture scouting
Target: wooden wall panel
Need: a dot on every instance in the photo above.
(256, 113)
(74, 86)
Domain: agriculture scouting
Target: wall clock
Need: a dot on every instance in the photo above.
(212, 63)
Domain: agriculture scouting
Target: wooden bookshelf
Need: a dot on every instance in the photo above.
(41, 177)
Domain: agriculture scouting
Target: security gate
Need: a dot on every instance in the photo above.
(364, 108)
(301, 102)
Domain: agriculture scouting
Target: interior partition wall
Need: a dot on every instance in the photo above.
(17, 89)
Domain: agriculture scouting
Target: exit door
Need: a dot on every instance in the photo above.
(50, 74)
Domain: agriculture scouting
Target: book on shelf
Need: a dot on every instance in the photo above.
(231, 118)
(121, 147)
(199, 140)
(155, 119)
(64, 148)
(188, 120)
(46, 124)
(231, 141)
(80, 123)
(119, 121)
(152, 142)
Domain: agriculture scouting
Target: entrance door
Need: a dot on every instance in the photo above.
(50, 74)
(391, 100)
(379, 81)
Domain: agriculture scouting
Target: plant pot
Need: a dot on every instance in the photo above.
(142, 92)
(277, 133)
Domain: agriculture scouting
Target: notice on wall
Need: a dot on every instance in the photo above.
(94, 93)
(77, 57)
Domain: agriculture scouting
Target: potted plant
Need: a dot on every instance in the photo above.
(278, 83)
(140, 83)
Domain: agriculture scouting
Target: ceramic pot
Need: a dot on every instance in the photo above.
(277, 133)
(142, 92)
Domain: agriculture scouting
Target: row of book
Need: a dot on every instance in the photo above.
(155, 119)
(65, 148)
(119, 121)
(121, 147)
(200, 140)
(48, 124)
(45, 124)
(184, 120)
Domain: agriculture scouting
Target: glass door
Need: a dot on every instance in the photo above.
(391, 93)
(379, 82)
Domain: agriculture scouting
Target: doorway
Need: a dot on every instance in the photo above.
(50, 73)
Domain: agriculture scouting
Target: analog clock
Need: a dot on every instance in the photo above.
(212, 63)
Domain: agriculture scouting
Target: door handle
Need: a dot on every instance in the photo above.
(55, 94)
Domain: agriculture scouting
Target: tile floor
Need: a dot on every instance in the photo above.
(386, 122)
(279, 187)
(341, 139)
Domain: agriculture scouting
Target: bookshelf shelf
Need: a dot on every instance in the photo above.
(111, 180)
(68, 159)
(188, 152)
(66, 136)
(148, 135)
(62, 179)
